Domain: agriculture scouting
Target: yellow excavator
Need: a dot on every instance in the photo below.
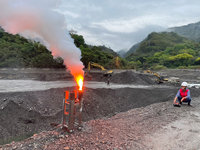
(159, 79)
(106, 72)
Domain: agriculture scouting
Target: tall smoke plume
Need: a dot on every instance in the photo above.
(39, 19)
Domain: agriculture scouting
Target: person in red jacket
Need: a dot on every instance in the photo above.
(183, 95)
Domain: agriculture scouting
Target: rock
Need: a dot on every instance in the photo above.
(35, 145)
(61, 136)
(66, 148)
(20, 102)
(173, 80)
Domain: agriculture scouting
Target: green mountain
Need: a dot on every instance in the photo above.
(16, 51)
(98, 54)
(165, 49)
(108, 50)
(122, 53)
(156, 42)
(132, 49)
(190, 31)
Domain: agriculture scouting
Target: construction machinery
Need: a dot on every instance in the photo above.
(159, 79)
(106, 72)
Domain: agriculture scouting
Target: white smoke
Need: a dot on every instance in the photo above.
(39, 19)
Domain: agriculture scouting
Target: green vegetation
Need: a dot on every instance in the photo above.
(190, 31)
(98, 54)
(165, 50)
(157, 51)
(16, 51)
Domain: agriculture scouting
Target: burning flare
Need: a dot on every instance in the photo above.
(79, 80)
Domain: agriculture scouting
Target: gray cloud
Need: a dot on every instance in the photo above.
(121, 23)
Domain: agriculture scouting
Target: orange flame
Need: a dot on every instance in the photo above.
(79, 80)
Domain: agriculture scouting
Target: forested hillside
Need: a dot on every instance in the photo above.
(166, 50)
(98, 54)
(132, 49)
(190, 31)
(16, 51)
(157, 51)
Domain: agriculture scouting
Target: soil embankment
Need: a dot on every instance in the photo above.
(158, 126)
(25, 113)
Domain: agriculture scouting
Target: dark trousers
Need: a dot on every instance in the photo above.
(187, 100)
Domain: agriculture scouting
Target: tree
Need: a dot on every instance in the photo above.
(78, 40)
(16, 51)
(184, 59)
(197, 61)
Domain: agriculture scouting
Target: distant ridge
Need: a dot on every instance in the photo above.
(190, 31)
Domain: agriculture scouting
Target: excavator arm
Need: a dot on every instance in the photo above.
(99, 66)
(160, 79)
(95, 65)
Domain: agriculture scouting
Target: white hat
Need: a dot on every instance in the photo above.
(184, 84)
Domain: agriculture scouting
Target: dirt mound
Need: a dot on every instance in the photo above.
(23, 114)
(123, 77)
(17, 123)
(130, 77)
(153, 127)
(100, 103)
(35, 74)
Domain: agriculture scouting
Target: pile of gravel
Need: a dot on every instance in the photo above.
(23, 114)
(130, 77)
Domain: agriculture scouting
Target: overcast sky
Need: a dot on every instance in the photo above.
(121, 23)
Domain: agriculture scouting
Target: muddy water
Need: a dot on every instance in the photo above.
(32, 85)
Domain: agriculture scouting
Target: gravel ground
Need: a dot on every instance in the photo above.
(138, 129)
(35, 74)
(26, 113)
(119, 76)
(115, 118)
(189, 75)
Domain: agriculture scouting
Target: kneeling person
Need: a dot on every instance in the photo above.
(183, 95)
